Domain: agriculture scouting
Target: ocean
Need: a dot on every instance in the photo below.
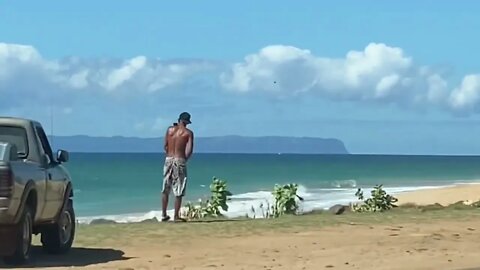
(126, 187)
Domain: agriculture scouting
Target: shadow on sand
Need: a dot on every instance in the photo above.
(76, 257)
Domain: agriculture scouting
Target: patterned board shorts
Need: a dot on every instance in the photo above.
(175, 176)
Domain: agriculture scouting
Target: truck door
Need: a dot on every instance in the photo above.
(55, 181)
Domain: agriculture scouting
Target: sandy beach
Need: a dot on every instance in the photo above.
(399, 239)
(443, 196)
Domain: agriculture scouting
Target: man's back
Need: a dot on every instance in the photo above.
(178, 138)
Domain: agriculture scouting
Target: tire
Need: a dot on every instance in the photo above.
(23, 239)
(58, 238)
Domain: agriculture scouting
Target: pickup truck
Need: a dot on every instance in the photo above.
(35, 192)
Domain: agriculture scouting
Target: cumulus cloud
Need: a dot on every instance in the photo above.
(21, 62)
(377, 73)
(466, 97)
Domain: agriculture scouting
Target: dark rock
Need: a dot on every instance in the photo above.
(460, 205)
(102, 221)
(431, 207)
(152, 220)
(339, 209)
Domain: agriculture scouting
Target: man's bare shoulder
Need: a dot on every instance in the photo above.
(171, 129)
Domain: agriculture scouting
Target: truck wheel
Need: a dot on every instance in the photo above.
(58, 238)
(23, 240)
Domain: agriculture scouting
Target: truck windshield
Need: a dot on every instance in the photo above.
(16, 136)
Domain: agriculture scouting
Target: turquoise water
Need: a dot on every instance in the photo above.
(130, 184)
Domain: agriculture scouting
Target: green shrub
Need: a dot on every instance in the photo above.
(378, 202)
(220, 196)
(211, 207)
(285, 200)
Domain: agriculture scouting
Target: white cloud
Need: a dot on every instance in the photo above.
(79, 79)
(375, 72)
(379, 72)
(466, 97)
(21, 53)
(118, 76)
(21, 62)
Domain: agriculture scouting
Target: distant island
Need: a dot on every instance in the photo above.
(221, 144)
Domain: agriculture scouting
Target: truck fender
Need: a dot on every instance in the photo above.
(66, 197)
(23, 202)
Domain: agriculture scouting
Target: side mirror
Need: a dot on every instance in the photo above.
(62, 156)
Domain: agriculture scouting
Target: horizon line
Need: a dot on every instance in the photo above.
(291, 153)
(212, 136)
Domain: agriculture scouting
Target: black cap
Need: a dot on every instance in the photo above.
(185, 117)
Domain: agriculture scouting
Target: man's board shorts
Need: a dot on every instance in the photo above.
(174, 176)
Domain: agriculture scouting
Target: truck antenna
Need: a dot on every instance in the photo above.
(51, 123)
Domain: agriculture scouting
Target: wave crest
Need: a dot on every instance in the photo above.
(349, 183)
(253, 204)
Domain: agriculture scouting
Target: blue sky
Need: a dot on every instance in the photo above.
(383, 76)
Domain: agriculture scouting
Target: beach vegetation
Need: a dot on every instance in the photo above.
(285, 200)
(379, 201)
(266, 210)
(213, 206)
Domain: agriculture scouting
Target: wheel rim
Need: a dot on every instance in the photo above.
(66, 227)
(27, 234)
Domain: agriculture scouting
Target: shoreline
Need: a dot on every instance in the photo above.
(424, 195)
(466, 192)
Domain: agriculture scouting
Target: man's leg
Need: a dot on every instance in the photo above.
(167, 187)
(164, 204)
(178, 204)
(179, 189)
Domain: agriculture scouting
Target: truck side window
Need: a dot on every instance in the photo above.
(45, 145)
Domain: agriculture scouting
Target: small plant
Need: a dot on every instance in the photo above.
(285, 200)
(378, 202)
(211, 207)
(195, 211)
(266, 210)
(220, 196)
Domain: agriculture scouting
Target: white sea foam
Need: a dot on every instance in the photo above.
(350, 183)
(255, 204)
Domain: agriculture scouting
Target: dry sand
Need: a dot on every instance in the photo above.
(443, 196)
(411, 241)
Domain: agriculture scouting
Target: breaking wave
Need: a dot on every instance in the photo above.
(255, 204)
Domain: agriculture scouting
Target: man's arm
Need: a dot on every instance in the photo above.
(189, 148)
(165, 143)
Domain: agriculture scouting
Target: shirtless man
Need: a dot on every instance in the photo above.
(178, 149)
